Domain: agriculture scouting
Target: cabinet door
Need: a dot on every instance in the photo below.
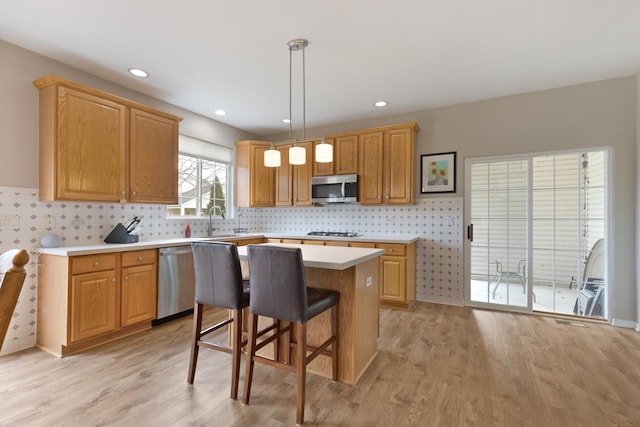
(153, 158)
(398, 167)
(393, 278)
(371, 162)
(322, 169)
(90, 152)
(262, 187)
(139, 294)
(94, 305)
(284, 177)
(302, 178)
(346, 154)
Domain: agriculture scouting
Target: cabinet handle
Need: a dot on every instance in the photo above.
(113, 280)
(390, 250)
(139, 258)
(125, 278)
(134, 193)
(122, 192)
(96, 264)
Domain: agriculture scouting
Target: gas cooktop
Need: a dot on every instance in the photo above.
(333, 233)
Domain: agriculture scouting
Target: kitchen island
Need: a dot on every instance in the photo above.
(354, 273)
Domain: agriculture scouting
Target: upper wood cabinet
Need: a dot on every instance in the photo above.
(293, 182)
(255, 183)
(153, 148)
(371, 161)
(386, 169)
(284, 177)
(323, 169)
(95, 146)
(345, 156)
(398, 166)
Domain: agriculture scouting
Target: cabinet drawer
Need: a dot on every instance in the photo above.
(393, 249)
(130, 259)
(362, 245)
(313, 242)
(90, 263)
(337, 243)
(292, 241)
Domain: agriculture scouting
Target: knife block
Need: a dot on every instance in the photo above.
(119, 234)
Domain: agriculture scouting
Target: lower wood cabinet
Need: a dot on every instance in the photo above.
(87, 300)
(397, 275)
(139, 287)
(397, 270)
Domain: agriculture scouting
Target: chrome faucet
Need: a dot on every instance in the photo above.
(211, 229)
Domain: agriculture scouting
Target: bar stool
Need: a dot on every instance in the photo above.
(219, 283)
(279, 291)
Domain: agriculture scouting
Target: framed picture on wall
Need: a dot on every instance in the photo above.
(438, 173)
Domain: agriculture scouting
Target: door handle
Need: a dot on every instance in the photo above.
(470, 232)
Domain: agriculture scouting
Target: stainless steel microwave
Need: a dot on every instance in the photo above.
(334, 189)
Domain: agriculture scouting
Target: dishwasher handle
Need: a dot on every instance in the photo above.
(179, 252)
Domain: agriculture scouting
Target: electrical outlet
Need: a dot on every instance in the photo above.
(8, 222)
(48, 222)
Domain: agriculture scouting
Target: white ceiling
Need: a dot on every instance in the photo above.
(208, 54)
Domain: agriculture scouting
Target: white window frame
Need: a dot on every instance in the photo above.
(204, 151)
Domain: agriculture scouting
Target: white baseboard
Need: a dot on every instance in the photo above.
(626, 324)
(443, 300)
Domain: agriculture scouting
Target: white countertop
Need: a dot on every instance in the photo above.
(362, 238)
(329, 257)
(124, 247)
(163, 243)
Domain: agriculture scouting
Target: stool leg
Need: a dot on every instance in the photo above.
(236, 343)
(251, 349)
(276, 343)
(287, 344)
(301, 370)
(334, 345)
(197, 327)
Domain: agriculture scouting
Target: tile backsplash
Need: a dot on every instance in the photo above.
(24, 220)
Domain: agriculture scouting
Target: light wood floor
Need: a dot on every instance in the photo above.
(437, 366)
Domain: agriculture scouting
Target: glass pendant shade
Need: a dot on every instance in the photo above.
(324, 152)
(272, 158)
(297, 155)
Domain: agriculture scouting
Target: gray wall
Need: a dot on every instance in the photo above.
(598, 114)
(19, 111)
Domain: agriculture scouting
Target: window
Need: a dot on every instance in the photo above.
(203, 180)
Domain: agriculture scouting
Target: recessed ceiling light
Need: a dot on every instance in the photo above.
(286, 121)
(220, 113)
(381, 104)
(138, 72)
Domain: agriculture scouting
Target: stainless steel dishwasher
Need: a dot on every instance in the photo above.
(176, 283)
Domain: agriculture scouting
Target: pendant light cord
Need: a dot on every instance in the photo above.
(304, 96)
(290, 77)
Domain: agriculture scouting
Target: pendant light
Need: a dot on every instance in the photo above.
(272, 158)
(297, 155)
(324, 152)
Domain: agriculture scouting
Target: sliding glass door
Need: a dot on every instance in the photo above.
(498, 232)
(537, 233)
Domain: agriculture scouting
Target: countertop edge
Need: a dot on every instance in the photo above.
(163, 243)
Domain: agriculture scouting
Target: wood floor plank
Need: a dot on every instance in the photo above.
(437, 365)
